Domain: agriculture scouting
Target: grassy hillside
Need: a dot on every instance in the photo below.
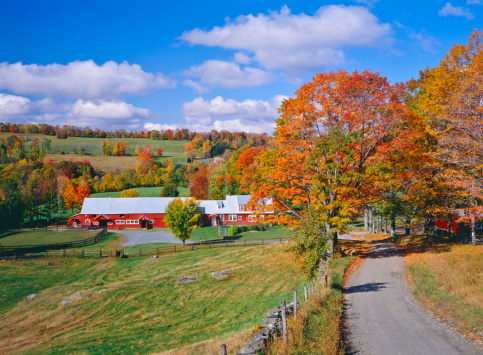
(71, 145)
(139, 308)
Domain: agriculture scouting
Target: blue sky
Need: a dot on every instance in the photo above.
(205, 65)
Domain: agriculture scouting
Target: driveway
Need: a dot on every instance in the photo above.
(383, 317)
(135, 237)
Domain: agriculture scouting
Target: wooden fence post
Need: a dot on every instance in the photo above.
(82, 252)
(245, 242)
(223, 349)
(100, 253)
(295, 304)
(284, 321)
(305, 293)
(64, 253)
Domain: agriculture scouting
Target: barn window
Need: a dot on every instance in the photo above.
(232, 217)
(242, 207)
(239, 218)
(252, 218)
(88, 221)
(119, 222)
(151, 222)
(121, 215)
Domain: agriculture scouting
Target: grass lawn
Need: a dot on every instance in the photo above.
(142, 191)
(141, 310)
(42, 237)
(211, 233)
(447, 278)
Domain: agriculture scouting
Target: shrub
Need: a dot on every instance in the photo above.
(232, 231)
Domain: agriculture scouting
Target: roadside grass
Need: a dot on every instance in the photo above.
(42, 237)
(142, 309)
(447, 279)
(317, 328)
(142, 191)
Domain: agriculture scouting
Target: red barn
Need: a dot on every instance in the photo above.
(148, 212)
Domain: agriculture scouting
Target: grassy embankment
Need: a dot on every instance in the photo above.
(171, 149)
(448, 279)
(142, 310)
(317, 328)
(211, 233)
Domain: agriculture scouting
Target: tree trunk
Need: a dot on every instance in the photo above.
(393, 226)
(385, 224)
(335, 239)
(408, 226)
(184, 241)
(371, 216)
(473, 229)
(365, 220)
(450, 225)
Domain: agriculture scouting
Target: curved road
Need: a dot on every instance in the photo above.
(384, 318)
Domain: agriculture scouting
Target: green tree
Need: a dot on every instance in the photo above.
(129, 193)
(181, 217)
(169, 190)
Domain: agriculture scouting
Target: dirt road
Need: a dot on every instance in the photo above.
(384, 318)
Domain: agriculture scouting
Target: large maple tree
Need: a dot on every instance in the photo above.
(336, 144)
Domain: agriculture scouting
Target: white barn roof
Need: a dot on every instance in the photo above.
(133, 205)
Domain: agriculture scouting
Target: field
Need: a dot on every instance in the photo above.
(172, 149)
(142, 191)
(42, 237)
(447, 278)
(135, 305)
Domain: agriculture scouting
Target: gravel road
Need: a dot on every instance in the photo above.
(135, 237)
(384, 318)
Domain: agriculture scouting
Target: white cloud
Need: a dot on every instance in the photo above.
(297, 43)
(160, 127)
(241, 58)
(200, 89)
(473, 2)
(14, 105)
(425, 41)
(81, 113)
(450, 10)
(80, 80)
(369, 3)
(217, 73)
(256, 116)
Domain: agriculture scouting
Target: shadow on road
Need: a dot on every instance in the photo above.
(370, 287)
(384, 250)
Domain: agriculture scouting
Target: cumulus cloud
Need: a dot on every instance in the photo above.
(94, 113)
(450, 10)
(255, 116)
(473, 2)
(218, 73)
(80, 80)
(297, 43)
(425, 41)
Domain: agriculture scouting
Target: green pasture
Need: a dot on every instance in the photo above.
(134, 305)
(42, 237)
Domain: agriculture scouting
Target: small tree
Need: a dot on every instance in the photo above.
(181, 217)
(169, 190)
(129, 193)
